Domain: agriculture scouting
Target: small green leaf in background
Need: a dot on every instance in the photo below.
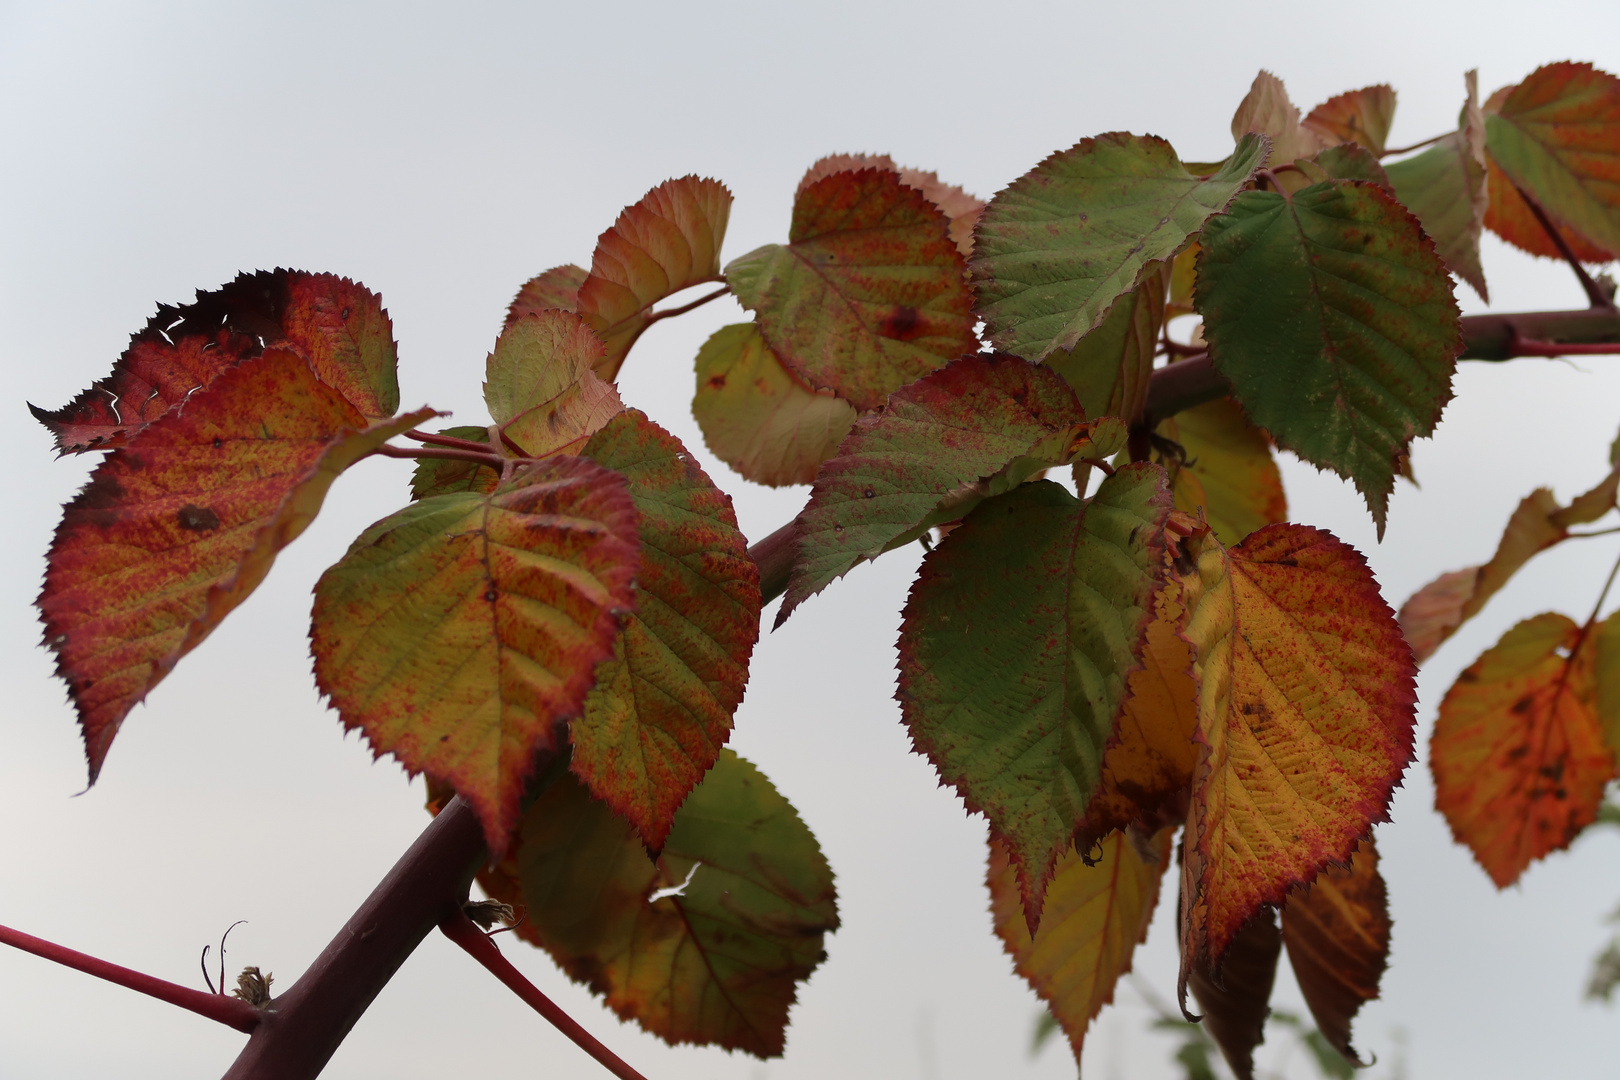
(1445, 189)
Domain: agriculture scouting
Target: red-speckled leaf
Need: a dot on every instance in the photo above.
(667, 242)
(439, 476)
(1306, 707)
(540, 386)
(339, 326)
(179, 525)
(980, 426)
(1018, 638)
(1556, 135)
(462, 633)
(961, 208)
(1337, 933)
(556, 289)
(1360, 116)
(1236, 994)
(1097, 911)
(716, 962)
(869, 292)
(1518, 753)
(661, 708)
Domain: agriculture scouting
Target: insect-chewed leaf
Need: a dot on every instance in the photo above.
(1236, 994)
(438, 476)
(757, 416)
(954, 202)
(1445, 189)
(460, 633)
(1226, 469)
(1110, 367)
(667, 242)
(869, 292)
(1337, 933)
(1334, 319)
(556, 289)
(1096, 914)
(1518, 753)
(339, 326)
(1017, 640)
(180, 524)
(1360, 116)
(1266, 110)
(661, 708)
(540, 386)
(1306, 707)
(714, 962)
(978, 427)
(1056, 248)
(1557, 136)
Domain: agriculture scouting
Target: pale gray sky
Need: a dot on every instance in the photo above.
(444, 154)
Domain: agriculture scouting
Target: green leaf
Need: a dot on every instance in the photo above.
(556, 289)
(1055, 249)
(437, 476)
(1445, 189)
(1334, 319)
(757, 416)
(662, 707)
(980, 426)
(1347, 162)
(540, 386)
(462, 633)
(1109, 368)
(1557, 136)
(867, 295)
(179, 525)
(1016, 643)
(714, 962)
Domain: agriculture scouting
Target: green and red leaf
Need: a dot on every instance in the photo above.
(541, 388)
(1056, 248)
(1018, 638)
(180, 524)
(955, 203)
(556, 289)
(1360, 116)
(869, 292)
(1110, 367)
(661, 707)
(705, 944)
(463, 632)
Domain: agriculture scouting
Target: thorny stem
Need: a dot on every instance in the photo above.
(1594, 293)
(461, 930)
(230, 1011)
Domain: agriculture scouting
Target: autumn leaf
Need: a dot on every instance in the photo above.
(541, 388)
(1057, 247)
(1225, 470)
(978, 427)
(961, 208)
(1556, 135)
(1236, 994)
(1511, 218)
(867, 295)
(461, 633)
(1345, 351)
(1266, 110)
(707, 943)
(1343, 162)
(556, 289)
(1445, 188)
(1110, 367)
(439, 476)
(1018, 638)
(339, 327)
(181, 523)
(1360, 116)
(757, 416)
(1518, 753)
(1337, 933)
(1097, 912)
(1306, 707)
(667, 242)
(661, 708)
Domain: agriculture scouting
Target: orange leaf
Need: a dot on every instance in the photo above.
(667, 242)
(179, 525)
(1095, 915)
(1236, 994)
(1306, 707)
(1518, 753)
(1360, 116)
(1511, 218)
(1337, 933)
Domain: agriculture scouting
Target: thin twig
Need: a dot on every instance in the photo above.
(1597, 532)
(226, 1010)
(461, 930)
(1594, 293)
(1414, 146)
(684, 308)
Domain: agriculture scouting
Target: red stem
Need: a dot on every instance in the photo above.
(684, 308)
(413, 453)
(448, 440)
(461, 930)
(230, 1011)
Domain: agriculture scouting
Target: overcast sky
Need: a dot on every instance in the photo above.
(443, 154)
